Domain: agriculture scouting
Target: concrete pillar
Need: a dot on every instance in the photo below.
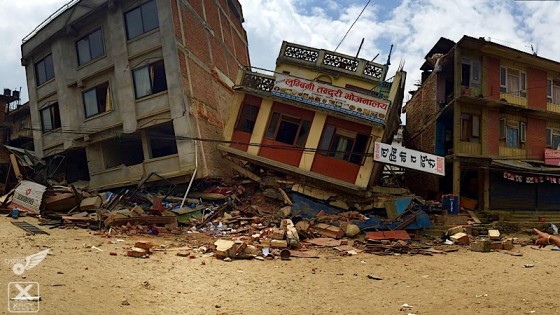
(313, 140)
(260, 126)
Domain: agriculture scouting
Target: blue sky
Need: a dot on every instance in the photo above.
(413, 26)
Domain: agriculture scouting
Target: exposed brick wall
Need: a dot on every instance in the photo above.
(536, 88)
(421, 111)
(210, 45)
(176, 21)
(493, 140)
(536, 138)
(492, 69)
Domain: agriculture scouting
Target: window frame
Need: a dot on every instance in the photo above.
(298, 141)
(43, 62)
(88, 38)
(330, 144)
(241, 119)
(128, 15)
(551, 133)
(108, 106)
(152, 80)
(520, 128)
(472, 133)
(506, 73)
(550, 87)
(54, 112)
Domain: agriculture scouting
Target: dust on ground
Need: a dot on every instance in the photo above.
(76, 279)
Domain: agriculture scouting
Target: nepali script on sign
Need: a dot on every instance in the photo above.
(403, 157)
(331, 97)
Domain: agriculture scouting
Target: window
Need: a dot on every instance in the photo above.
(97, 100)
(247, 118)
(50, 118)
(513, 82)
(141, 19)
(553, 91)
(343, 144)
(288, 129)
(149, 79)
(161, 140)
(470, 128)
(553, 138)
(470, 72)
(513, 132)
(90, 47)
(44, 70)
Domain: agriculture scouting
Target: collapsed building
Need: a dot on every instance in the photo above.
(317, 117)
(119, 88)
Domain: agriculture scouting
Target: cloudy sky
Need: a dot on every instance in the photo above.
(413, 26)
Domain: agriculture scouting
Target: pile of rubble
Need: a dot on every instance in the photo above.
(248, 220)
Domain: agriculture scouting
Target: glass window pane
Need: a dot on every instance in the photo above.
(56, 116)
(359, 149)
(101, 93)
(96, 44)
(303, 132)
(247, 118)
(49, 67)
(90, 102)
(142, 82)
(40, 73)
(46, 119)
(548, 137)
(157, 75)
(287, 132)
(83, 51)
(134, 23)
(475, 126)
(512, 137)
(326, 139)
(272, 126)
(150, 16)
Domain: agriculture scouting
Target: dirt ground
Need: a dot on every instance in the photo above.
(75, 279)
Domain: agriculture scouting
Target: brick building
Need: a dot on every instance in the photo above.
(317, 117)
(494, 113)
(121, 87)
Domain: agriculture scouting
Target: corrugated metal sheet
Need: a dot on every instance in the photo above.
(510, 195)
(548, 196)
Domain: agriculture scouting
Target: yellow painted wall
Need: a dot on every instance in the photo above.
(232, 119)
(366, 170)
(260, 125)
(313, 139)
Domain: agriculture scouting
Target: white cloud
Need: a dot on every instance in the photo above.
(414, 26)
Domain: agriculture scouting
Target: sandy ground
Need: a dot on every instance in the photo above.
(89, 281)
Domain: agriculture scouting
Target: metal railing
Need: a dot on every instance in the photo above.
(49, 19)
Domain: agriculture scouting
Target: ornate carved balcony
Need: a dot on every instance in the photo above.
(332, 61)
(257, 81)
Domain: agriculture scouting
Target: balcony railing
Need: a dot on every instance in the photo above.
(258, 81)
(334, 61)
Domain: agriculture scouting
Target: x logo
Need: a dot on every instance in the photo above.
(23, 292)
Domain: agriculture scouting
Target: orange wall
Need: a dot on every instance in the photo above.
(493, 78)
(536, 89)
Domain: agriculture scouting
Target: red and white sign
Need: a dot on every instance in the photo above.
(331, 97)
(552, 157)
(28, 196)
(403, 157)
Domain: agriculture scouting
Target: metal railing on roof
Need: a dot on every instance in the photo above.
(49, 19)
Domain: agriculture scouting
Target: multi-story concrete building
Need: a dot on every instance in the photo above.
(316, 117)
(121, 87)
(494, 112)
